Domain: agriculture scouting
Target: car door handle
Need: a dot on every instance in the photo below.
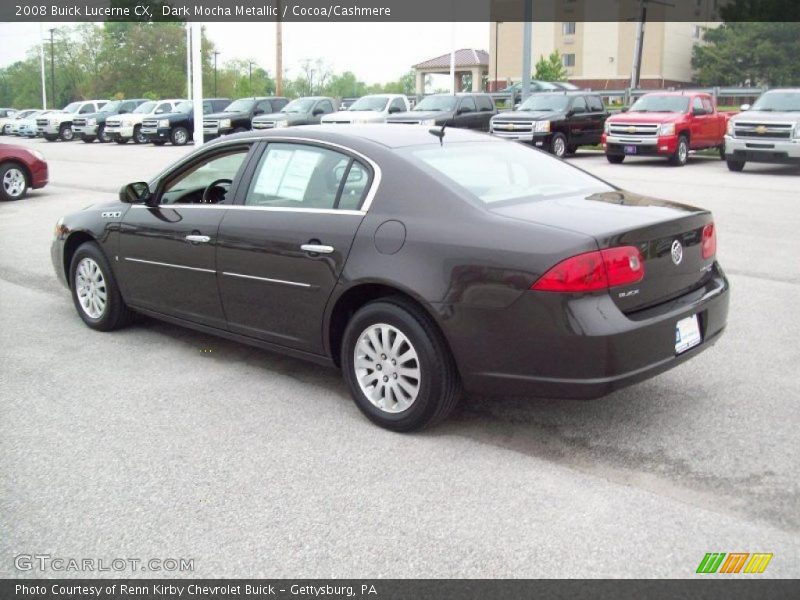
(317, 248)
(198, 239)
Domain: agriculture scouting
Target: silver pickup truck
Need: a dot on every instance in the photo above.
(767, 132)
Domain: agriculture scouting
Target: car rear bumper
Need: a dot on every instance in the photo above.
(588, 351)
(763, 151)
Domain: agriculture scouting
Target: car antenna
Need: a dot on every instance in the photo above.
(439, 133)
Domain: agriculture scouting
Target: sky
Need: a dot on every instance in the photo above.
(375, 52)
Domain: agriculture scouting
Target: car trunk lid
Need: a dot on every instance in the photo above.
(668, 235)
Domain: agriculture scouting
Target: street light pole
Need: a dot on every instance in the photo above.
(215, 72)
(250, 78)
(41, 61)
(52, 67)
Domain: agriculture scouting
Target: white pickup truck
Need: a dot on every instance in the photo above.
(59, 125)
(122, 128)
(374, 108)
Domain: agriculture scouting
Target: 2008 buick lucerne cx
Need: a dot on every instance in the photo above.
(420, 266)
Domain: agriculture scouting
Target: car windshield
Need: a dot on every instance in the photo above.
(501, 172)
(184, 107)
(241, 105)
(778, 102)
(72, 107)
(371, 103)
(145, 108)
(301, 105)
(437, 103)
(547, 102)
(670, 104)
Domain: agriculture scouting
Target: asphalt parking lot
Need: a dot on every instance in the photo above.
(159, 442)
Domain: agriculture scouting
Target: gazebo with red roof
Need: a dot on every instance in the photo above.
(467, 61)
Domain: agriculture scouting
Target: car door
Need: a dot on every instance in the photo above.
(325, 106)
(579, 122)
(699, 122)
(282, 248)
(596, 119)
(167, 252)
(712, 127)
(263, 107)
(467, 113)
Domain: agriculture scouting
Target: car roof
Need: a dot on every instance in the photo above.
(389, 136)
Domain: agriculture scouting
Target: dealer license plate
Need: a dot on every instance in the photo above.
(687, 334)
(630, 149)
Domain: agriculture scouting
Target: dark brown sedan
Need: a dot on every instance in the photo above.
(418, 266)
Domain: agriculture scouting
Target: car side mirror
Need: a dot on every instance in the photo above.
(134, 193)
(464, 110)
(699, 112)
(258, 111)
(394, 109)
(317, 112)
(124, 111)
(744, 107)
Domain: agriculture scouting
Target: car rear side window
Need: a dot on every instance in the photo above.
(308, 177)
(495, 172)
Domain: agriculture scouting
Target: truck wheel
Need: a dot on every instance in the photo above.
(681, 152)
(138, 136)
(558, 145)
(179, 136)
(398, 367)
(735, 165)
(158, 142)
(65, 133)
(615, 159)
(121, 140)
(101, 135)
(49, 137)
(87, 139)
(722, 152)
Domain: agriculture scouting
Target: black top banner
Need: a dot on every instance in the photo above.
(400, 10)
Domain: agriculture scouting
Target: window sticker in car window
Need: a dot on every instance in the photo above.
(286, 174)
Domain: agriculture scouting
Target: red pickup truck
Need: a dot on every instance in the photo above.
(668, 124)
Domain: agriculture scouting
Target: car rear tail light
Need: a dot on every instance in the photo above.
(593, 271)
(709, 243)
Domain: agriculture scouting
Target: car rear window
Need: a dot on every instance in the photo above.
(501, 171)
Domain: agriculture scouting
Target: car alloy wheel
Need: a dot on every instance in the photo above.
(67, 134)
(14, 183)
(180, 136)
(559, 145)
(90, 287)
(138, 136)
(387, 368)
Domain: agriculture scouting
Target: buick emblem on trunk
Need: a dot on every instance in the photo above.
(677, 252)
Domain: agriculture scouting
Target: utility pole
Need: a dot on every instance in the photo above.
(215, 72)
(496, 46)
(41, 60)
(527, 36)
(636, 69)
(52, 67)
(197, 82)
(250, 78)
(279, 53)
(188, 61)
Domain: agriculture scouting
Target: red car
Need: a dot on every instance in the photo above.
(667, 124)
(20, 170)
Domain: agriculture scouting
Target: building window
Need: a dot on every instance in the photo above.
(568, 60)
(568, 28)
(697, 32)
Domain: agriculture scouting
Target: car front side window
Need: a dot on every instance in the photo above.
(190, 185)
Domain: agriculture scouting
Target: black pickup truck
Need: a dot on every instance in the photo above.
(238, 116)
(465, 110)
(559, 122)
(92, 127)
(178, 127)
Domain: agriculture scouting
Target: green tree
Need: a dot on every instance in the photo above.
(749, 53)
(550, 68)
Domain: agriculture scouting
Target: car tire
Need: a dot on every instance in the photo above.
(121, 141)
(179, 136)
(14, 182)
(572, 149)
(94, 290)
(138, 136)
(87, 139)
(397, 400)
(158, 142)
(615, 159)
(65, 133)
(49, 137)
(721, 152)
(681, 155)
(101, 135)
(558, 145)
(737, 166)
